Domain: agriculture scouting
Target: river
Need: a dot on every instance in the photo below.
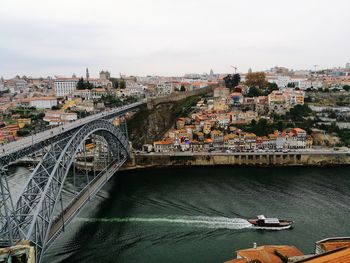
(196, 214)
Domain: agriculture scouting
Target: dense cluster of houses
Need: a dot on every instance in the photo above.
(188, 140)
(213, 125)
(278, 101)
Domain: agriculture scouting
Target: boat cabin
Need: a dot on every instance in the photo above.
(263, 221)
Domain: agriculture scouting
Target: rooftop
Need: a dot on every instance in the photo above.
(267, 254)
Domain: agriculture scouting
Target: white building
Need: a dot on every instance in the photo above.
(83, 93)
(134, 89)
(58, 117)
(65, 86)
(43, 102)
(283, 81)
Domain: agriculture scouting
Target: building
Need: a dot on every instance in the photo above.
(43, 102)
(58, 117)
(281, 101)
(65, 86)
(105, 75)
(163, 146)
(221, 92)
(164, 89)
(329, 250)
(23, 122)
(266, 254)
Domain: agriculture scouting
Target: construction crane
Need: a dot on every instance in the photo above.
(234, 68)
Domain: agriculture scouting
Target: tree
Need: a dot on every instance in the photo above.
(299, 111)
(89, 85)
(80, 84)
(115, 83)
(256, 79)
(271, 87)
(346, 87)
(182, 88)
(55, 107)
(231, 81)
(122, 84)
(236, 79)
(254, 92)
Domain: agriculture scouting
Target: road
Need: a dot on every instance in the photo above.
(33, 139)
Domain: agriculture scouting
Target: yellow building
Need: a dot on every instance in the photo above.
(23, 122)
(220, 105)
(207, 127)
(69, 104)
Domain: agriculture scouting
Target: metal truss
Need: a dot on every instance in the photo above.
(33, 214)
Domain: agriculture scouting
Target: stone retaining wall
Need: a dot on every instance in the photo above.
(278, 159)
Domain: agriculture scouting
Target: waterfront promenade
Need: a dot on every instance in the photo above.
(307, 157)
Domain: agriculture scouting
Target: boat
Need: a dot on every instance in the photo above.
(270, 223)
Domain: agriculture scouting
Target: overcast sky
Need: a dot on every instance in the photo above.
(170, 37)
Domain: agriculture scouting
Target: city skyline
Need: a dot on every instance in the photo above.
(166, 38)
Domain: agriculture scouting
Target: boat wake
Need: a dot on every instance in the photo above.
(193, 221)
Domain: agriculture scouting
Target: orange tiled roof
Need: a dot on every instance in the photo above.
(167, 142)
(238, 260)
(266, 254)
(341, 255)
(331, 245)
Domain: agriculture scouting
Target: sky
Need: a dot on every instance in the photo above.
(170, 37)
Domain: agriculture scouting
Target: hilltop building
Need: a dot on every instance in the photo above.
(105, 75)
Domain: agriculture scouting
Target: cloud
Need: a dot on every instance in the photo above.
(40, 37)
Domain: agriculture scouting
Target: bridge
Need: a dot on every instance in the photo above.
(39, 214)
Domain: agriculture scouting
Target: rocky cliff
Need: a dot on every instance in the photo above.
(148, 125)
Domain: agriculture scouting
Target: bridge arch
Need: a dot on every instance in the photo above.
(34, 210)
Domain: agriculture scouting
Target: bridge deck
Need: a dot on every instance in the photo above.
(25, 142)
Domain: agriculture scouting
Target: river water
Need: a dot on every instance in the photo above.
(197, 214)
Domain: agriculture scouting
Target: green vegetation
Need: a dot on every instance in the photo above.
(122, 84)
(23, 132)
(183, 107)
(299, 112)
(256, 79)
(115, 82)
(111, 101)
(255, 92)
(262, 127)
(231, 81)
(346, 87)
(296, 117)
(138, 119)
(149, 125)
(344, 134)
(81, 85)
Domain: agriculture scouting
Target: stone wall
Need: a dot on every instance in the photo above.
(278, 159)
(152, 102)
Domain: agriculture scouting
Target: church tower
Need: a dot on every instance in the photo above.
(87, 74)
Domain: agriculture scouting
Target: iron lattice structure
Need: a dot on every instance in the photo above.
(32, 217)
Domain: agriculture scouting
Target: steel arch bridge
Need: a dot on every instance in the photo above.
(33, 217)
